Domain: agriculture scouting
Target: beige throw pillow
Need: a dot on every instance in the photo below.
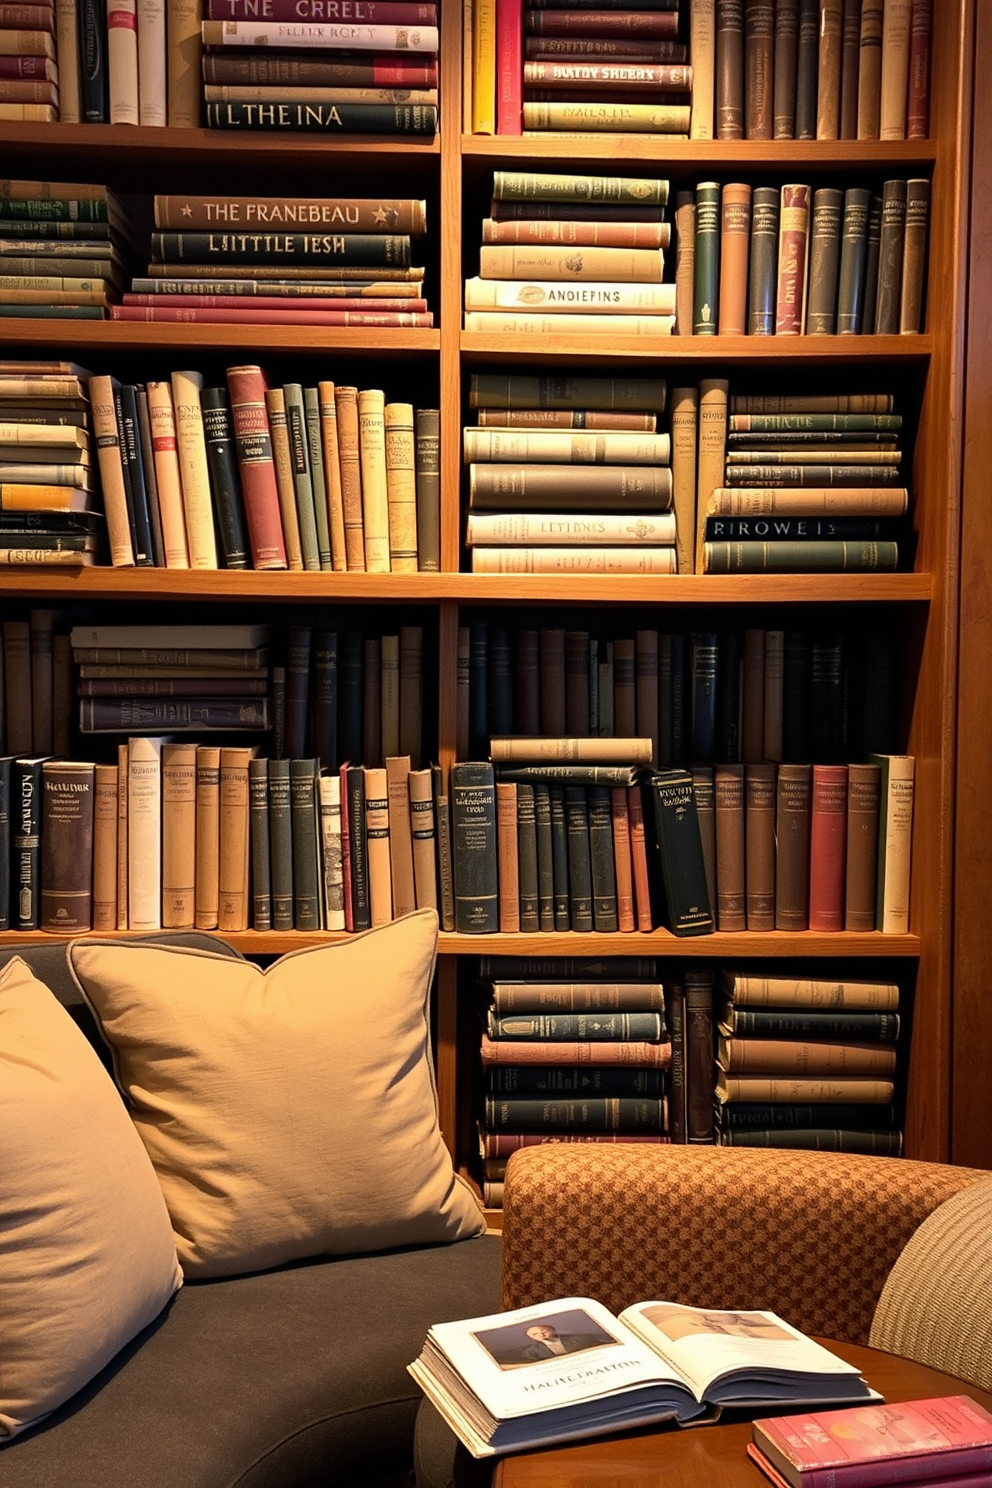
(288, 1112)
(87, 1257)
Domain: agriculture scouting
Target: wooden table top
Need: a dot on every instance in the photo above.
(697, 1457)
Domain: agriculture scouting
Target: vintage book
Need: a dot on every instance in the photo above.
(702, 47)
(763, 277)
(580, 888)
(275, 451)
(759, 48)
(793, 247)
(509, 66)
(564, 1113)
(261, 868)
(375, 501)
(178, 835)
(813, 1057)
(828, 847)
(543, 529)
(302, 477)
(680, 853)
(706, 260)
(870, 70)
(527, 873)
(328, 420)
(685, 261)
(331, 856)
(139, 508)
(505, 749)
(579, 232)
(426, 423)
(894, 82)
(225, 484)
(473, 838)
(401, 846)
(852, 270)
(617, 117)
(794, 784)
(144, 827)
(108, 447)
(685, 418)
(253, 446)
(194, 471)
(508, 856)
(161, 416)
(206, 900)
(353, 805)
(759, 809)
(916, 1441)
(569, 996)
(731, 912)
(516, 390)
(826, 556)
(699, 1033)
(540, 488)
(890, 261)
(25, 841)
(801, 1024)
(347, 118)
(784, 61)
(824, 261)
(377, 834)
(545, 855)
(549, 262)
(861, 862)
(105, 808)
(552, 297)
(735, 233)
(604, 876)
(646, 688)
(828, 78)
(675, 1024)
(803, 1089)
(581, 1081)
(895, 828)
(729, 73)
(318, 477)
(850, 62)
(612, 447)
(807, 68)
(918, 100)
(914, 253)
(281, 844)
(233, 861)
(561, 918)
(818, 993)
(445, 876)
(808, 502)
(66, 884)
(713, 395)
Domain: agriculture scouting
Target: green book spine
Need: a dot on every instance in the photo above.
(680, 853)
(612, 1027)
(545, 863)
(299, 449)
(824, 260)
(604, 883)
(261, 872)
(280, 844)
(527, 858)
(315, 451)
(801, 557)
(559, 858)
(764, 261)
(706, 261)
(473, 841)
(853, 259)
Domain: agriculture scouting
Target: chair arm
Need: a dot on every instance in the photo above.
(809, 1235)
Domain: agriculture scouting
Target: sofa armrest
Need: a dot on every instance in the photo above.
(809, 1235)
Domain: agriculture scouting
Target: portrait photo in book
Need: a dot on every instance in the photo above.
(529, 1342)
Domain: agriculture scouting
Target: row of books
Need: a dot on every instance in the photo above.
(247, 475)
(29, 73)
(795, 260)
(810, 69)
(565, 253)
(65, 249)
(568, 68)
(750, 695)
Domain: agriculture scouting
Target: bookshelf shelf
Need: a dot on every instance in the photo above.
(765, 351)
(129, 336)
(679, 157)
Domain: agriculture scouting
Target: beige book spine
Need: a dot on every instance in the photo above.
(702, 50)
(685, 260)
(233, 859)
(207, 835)
(423, 829)
(332, 475)
(122, 840)
(549, 263)
(122, 61)
(807, 501)
(801, 992)
(507, 853)
(401, 487)
(828, 69)
(511, 323)
(144, 834)
(401, 865)
(105, 847)
(831, 1089)
(162, 419)
(463, 647)
(524, 446)
(349, 453)
(275, 407)
(108, 451)
(870, 70)
(178, 835)
(735, 238)
(504, 529)
(185, 48)
(508, 748)
(620, 560)
(377, 835)
(375, 497)
(194, 473)
(895, 841)
(896, 19)
(713, 395)
(795, 1057)
(67, 47)
(153, 103)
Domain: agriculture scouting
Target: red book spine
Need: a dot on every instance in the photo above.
(301, 317)
(272, 302)
(253, 443)
(509, 66)
(918, 98)
(792, 243)
(639, 858)
(370, 12)
(828, 847)
(621, 854)
(601, 23)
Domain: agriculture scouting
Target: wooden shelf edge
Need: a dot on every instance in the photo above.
(85, 143)
(477, 346)
(675, 153)
(123, 336)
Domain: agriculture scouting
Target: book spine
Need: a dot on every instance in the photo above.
(685, 261)
(315, 457)
(861, 868)
(764, 261)
(792, 253)
(125, 402)
(225, 485)
(792, 826)
(375, 503)
(784, 69)
(178, 835)
(122, 61)
(579, 859)
(401, 487)
(600, 1025)
(824, 260)
(675, 1024)
(870, 70)
(152, 87)
(895, 829)
(281, 844)
(706, 260)
(93, 61)
(596, 1113)
(604, 878)
(894, 83)
(445, 873)
(302, 480)
(759, 50)
(66, 887)
(685, 419)
(473, 832)
(850, 58)
(122, 842)
(759, 807)
(918, 101)
(234, 863)
(361, 904)
(184, 50)
(67, 47)
(108, 446)
(731, 913)
(105, 808)
(914, 255)
(344, 118)
(528, 889)
(702, 47)
(713, 394)
(828, 847)
(831, 13)
(253, 446)
(484, 26)
(377, 836)
(559, 858)
(261, 870)
(509, 67)
(890, 260)
(807, 68)
(853, 262)
(144, 828)
(699, 1048)
(729, 77)
(735, 233)
(207, 836)
(681, 855)
(508, 856)
(193, 469)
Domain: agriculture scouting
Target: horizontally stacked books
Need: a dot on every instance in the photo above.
(50, 507)
(569, 254)
(571, 1058)
(313, 261)
(292, 72)
(246, 475)
(65, 249)
(794, 260)
(807, 1063)
(803, 71)
(29, 74)
(568, 475)
(564, 67)
(812, 483)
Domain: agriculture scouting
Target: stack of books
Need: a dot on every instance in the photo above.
(29, 75)
(577, 1054)
(567, 254)
(330, 77)
(811, 484)
(246, 475)
(807, 1063)
(145, 678)
(611, 512)
(313, 261)
(560, 67)
(798, 71)
(796, 260)
(64, 249)
(50, 508)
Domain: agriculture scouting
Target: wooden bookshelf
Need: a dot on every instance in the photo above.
(451, 172)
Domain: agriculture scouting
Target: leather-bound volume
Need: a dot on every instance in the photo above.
(685, 419)
(764, 261)
(685, 257)
(423, 831)
(527, 859)
(728, 783)
(234, 864)
(759, 50)
(824, 260)
(828, 69)
(861, 853)
(896, 24)
(624, 687)
(890, 256)
(675, 1027)
(473, 839)
(735, 233)
(729, 109)
(850, 56)
(853, 259)
(792, 855)
(604, 881)
(253, 448)
(828, 847)
(376, 840)
(179, 835)
(551, 642)
(784, 69)
(579, 859)
(400, 836)
(105, 807)
(545, 855)
(914, 257)
(699, 1048)
(918, 92)
(873, 248)
(759, 836)
(66, 885)
(870, 69)
(703, 788)
(793, 237)
(646, 688)
(639, 859)
(683, 874)
(702, 47)
(623, 868)
(706, 260)
(807, 68)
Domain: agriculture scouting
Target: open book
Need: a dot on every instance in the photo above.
(566, 1369)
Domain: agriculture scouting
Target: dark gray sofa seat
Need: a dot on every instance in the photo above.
(283, 1379)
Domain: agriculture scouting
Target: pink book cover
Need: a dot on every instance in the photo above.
(828, 847)
(912, 1442)
(509, 66)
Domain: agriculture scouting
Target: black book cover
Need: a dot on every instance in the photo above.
(559, 857)
(361, 904)
(500, 682)
(545, 856)
(530, 919)
(796, 664)
(579, 857)
(351, 688)
(703, 684)
(324, 698)
(604, 882)
(728, 697)
(126, 405)
(280, 844)
(473, 842)
(93, 61)
(679, 853)
(151, 479)
(261, 868)
(225, 478)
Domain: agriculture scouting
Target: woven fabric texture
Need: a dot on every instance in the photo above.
(810, 1236)
(936, 1306)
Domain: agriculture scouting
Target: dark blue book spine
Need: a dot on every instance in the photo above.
(126, 405)
(225, 478)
